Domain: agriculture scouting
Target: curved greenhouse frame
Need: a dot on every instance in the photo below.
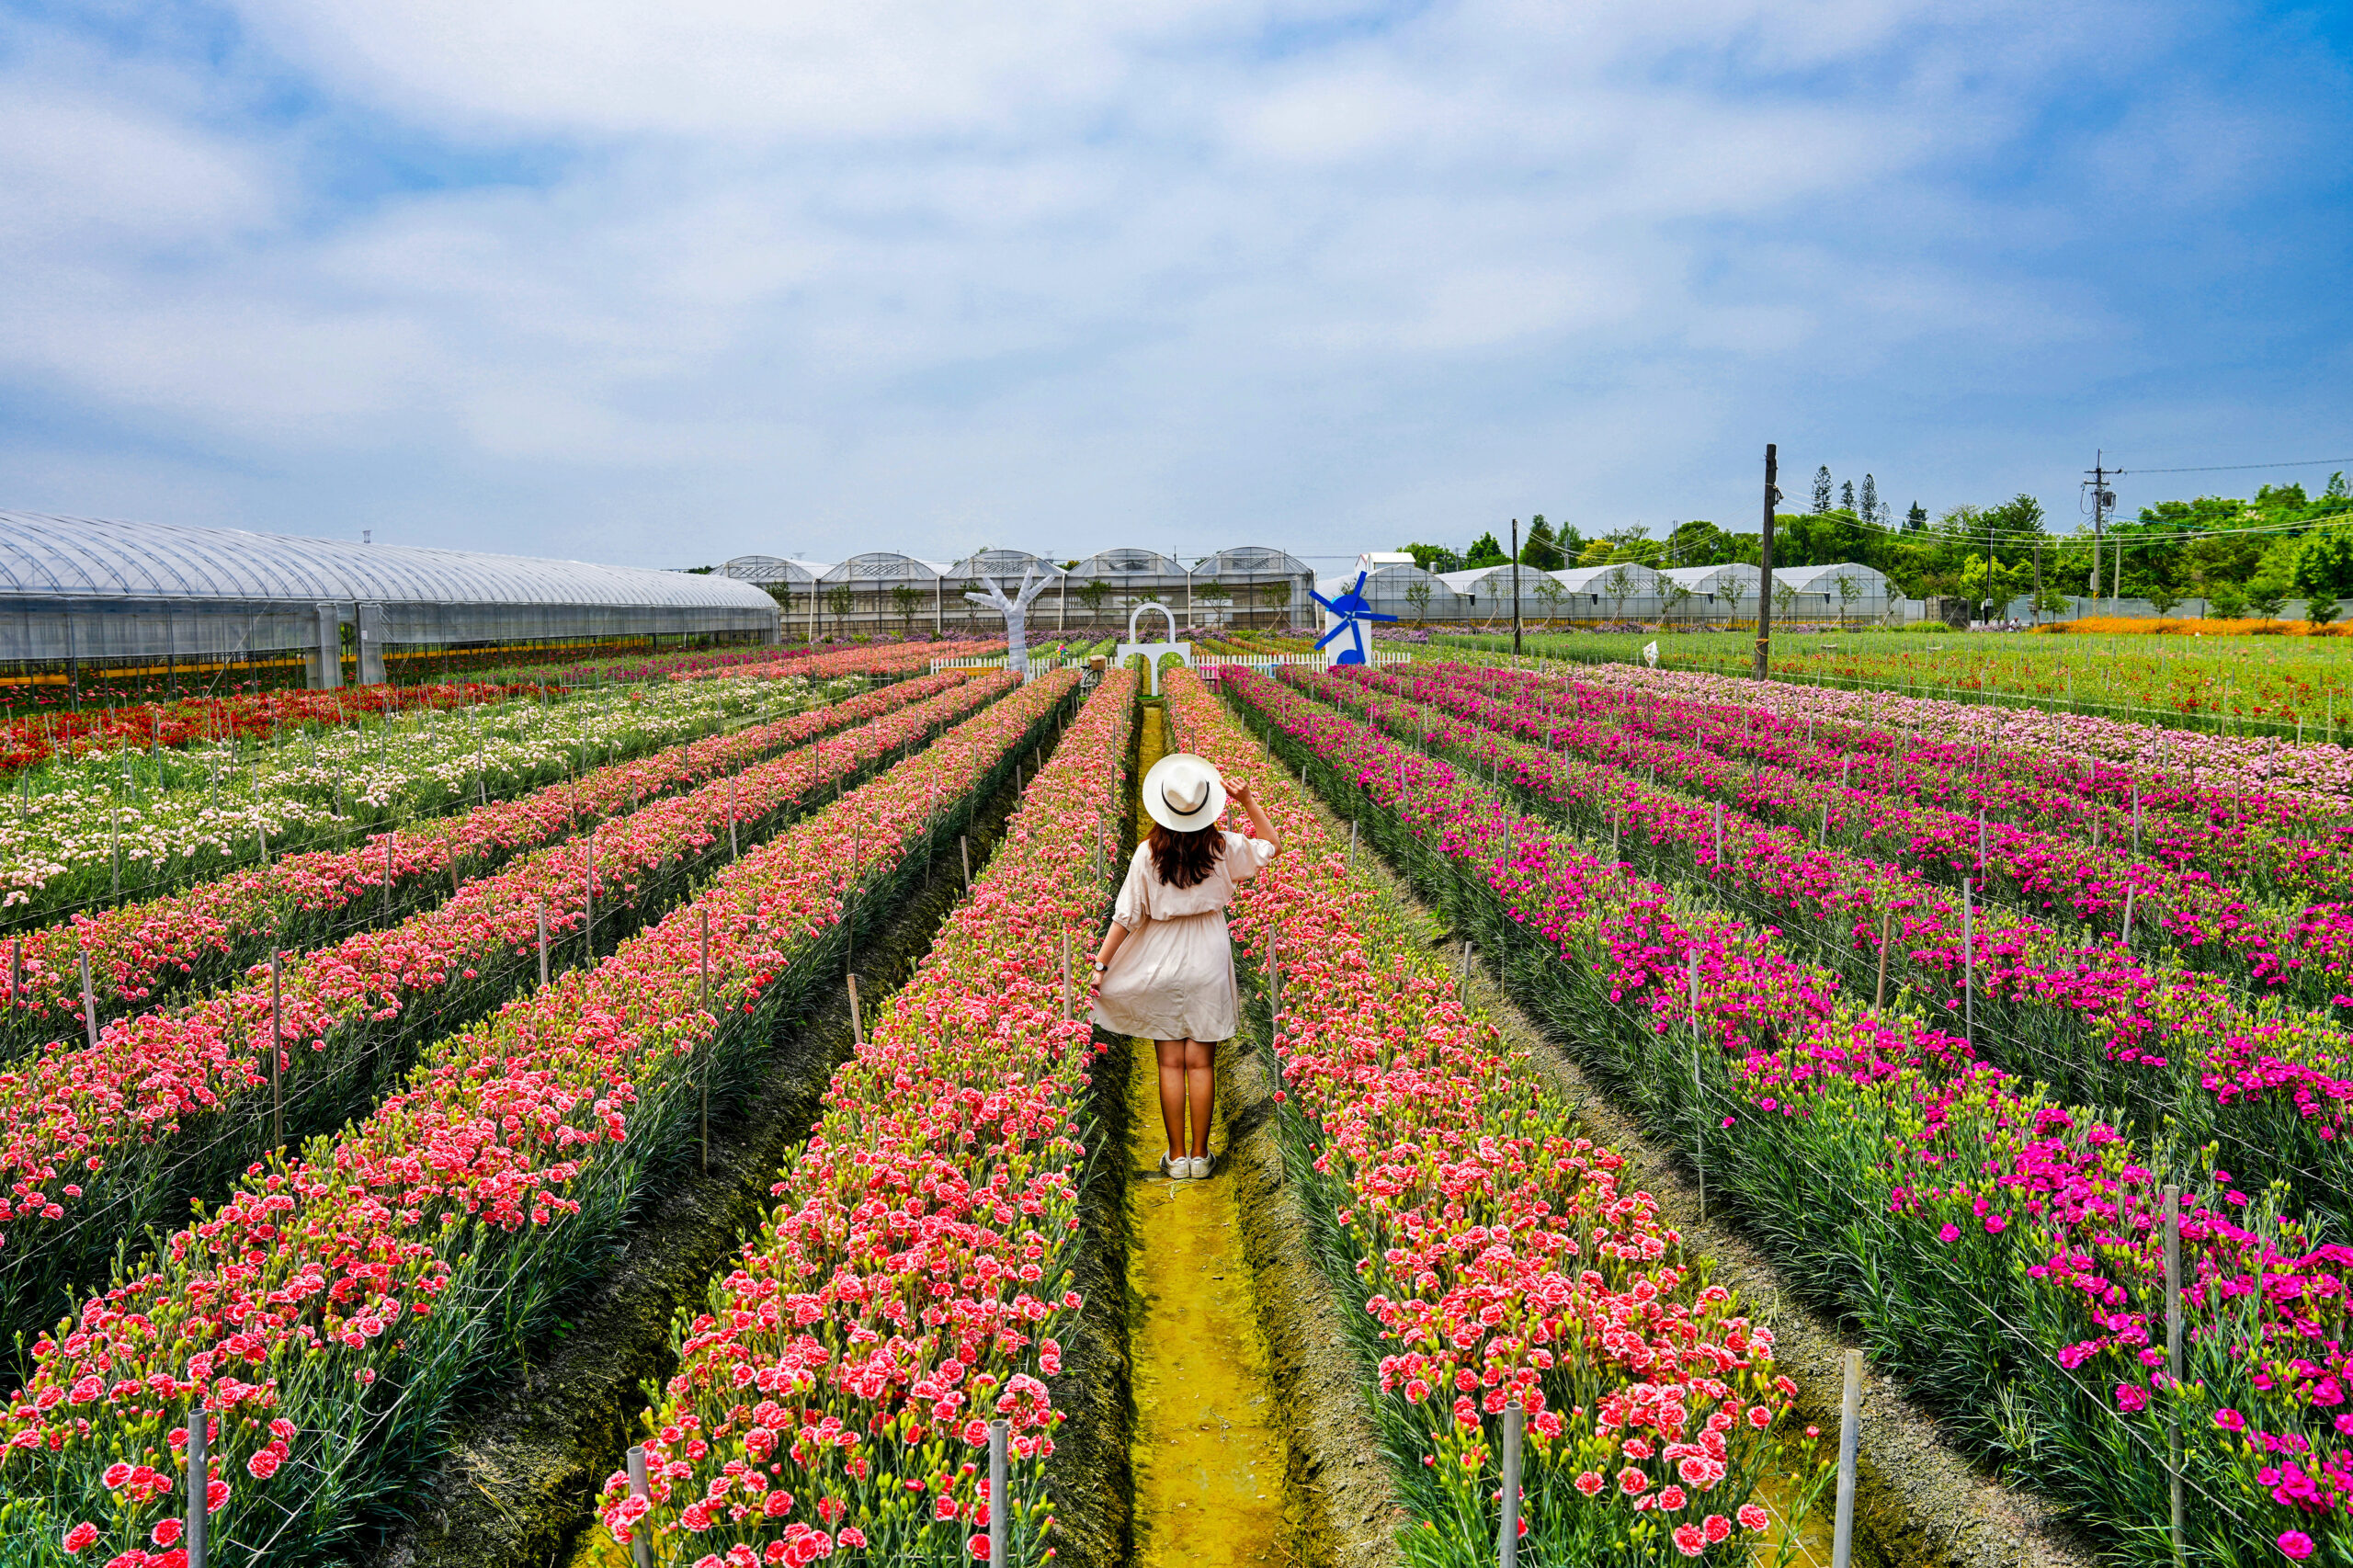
(100, 596)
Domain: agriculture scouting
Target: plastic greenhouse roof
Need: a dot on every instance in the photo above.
(52, 557)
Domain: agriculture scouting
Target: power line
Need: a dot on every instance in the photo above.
(2229, 468)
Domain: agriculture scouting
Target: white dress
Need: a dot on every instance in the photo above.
(1172, 976)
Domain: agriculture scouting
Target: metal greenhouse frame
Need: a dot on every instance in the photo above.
(97, 596)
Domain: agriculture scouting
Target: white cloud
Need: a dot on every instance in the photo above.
(923, 273)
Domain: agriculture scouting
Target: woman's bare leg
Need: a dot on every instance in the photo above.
(1200, 1083)
(1171, 1053)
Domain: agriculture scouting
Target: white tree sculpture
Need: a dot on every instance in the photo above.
(1015, 611)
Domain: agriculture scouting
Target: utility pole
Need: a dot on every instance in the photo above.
(1515, 588)
(2102, 499)
(1764, 560)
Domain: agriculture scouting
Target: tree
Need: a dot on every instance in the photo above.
(1548, 593)
(1541, 549)
(2162, 597)
(1916, 519)
(2320, 611)
(1785, 597)
(2324, 568)
(2226, 601)
(1870, 501)
(838, 600)
(906, 598)
(1597, 553)
(1417, 594)
(1486, 551)
(1850, 588)
(1822, 490)
(1698, 543)
(1619, 585)
(1734, 588)
(1672, 598)
(1276, 597)
(1846, 497)
(1093, 595)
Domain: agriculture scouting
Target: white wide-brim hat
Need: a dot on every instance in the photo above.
(1183, 792)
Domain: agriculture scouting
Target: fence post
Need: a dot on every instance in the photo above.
(1352, 844)
(1462, 975)
(857, 1018)
(16, 974)
(544, 941)
(1850, 1421)
(1720, 833)
(1070, 1006)
(200, 1477)
(2129, 891)
(388, 875)
(589, 908)
(1698, 1096)
(965, 848)
(1507, 1527)
(641, 1553)
(2173, 1370)
(999, 1505)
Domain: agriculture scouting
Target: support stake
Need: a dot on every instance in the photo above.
(2173, 1370)
(200, 1486)
(544, 941)
(276, 1048)
(639, 1551)
(89, 1004)
(1000, 1525)
(1886, 929)
(1507, 1527)
(1850, 1423)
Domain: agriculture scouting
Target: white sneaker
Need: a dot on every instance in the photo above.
(1197, 1166)
(1175, 1168)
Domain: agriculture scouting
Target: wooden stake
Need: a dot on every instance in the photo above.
(2173, 1370)
(965, 848)
(89, 1004)
(857, 1018)
(1851, 1425)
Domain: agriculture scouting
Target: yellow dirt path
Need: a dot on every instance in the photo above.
(1208, 1456)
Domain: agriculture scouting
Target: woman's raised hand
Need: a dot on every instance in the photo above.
(1238, 792)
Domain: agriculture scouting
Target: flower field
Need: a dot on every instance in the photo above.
(141, 952)
(326, 1313)
(909, 1282)
(62, 733)
(2095, 1018)
(90, 831)
(96, 1139)
(2001, 1247)
(1497, 1254)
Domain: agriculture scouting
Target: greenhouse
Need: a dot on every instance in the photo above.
(1846, 592)
(791, 582)
(1251, 585)
(883, 587)
(1624, 590)
(1714, 593)
(1110, 582)
(92, 598)
(1006, 568)
(1404, 590)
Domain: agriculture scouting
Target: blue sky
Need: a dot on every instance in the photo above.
(662, 284)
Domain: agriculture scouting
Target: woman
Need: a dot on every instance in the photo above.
(1165, 971)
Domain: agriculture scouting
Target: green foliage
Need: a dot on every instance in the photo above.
(2324, 567)
(1822, 488)
(1541, 549)
(1486, 551)
(1434, 557)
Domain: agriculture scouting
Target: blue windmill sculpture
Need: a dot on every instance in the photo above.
(1351, 614)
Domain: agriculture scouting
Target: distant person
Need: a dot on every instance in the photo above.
(1164, 972)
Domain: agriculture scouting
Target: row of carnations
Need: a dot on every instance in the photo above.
(2279, 844)
(2248, 765)
(140, 953)
(2303, 953)
(98, 1140)
(1499, 1254)
(909, 1285)
(88, 731)
(2004, 1252)
(88, 833)
(2102, 1023)
(326, 1315)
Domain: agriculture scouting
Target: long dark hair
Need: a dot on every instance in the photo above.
(1183, 860)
